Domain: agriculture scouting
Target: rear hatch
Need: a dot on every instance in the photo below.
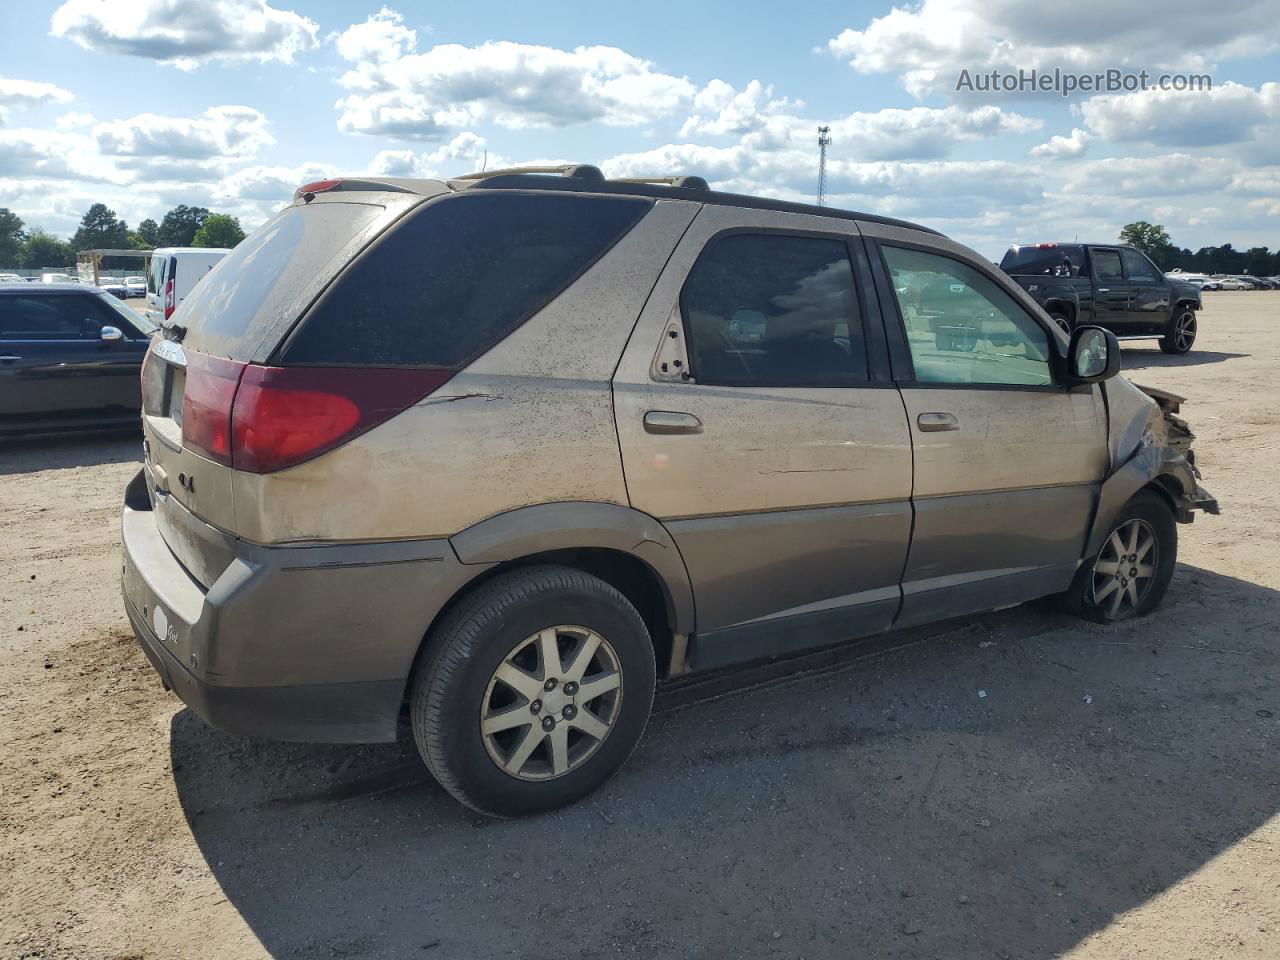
(235, 315)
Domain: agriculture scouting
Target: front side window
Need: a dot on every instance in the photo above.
(59, 317)
(774, 310)
(1137, 266)
(961, 327)
(1106, 265)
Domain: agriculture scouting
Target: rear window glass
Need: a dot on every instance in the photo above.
(459, 275)
(237, 303)
(1064, 261)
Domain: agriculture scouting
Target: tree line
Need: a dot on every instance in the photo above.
(34, 247)
(1153, 240)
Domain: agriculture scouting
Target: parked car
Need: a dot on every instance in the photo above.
(136, 286)
(10, 278)
(1211, 284)
(58, 278)
(1114, 286)
(70, 358)
(1230, 283)
(114, 287)
(508, 448)
(174, 272)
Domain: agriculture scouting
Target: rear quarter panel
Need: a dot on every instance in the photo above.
(531, 421)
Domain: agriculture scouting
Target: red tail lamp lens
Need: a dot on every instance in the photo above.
(284, 416)
(207, 397)
(319, 186)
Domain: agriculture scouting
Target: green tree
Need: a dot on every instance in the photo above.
(219, 230)
(100, 227)
(1257, 261)
(179, 226)
(43, 249)
(1152, 239)
(149, 233)
(12, 236)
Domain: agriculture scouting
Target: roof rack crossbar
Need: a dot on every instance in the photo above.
(675, 180)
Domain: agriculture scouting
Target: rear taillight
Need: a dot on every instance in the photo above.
(169, 301)
(284, 416)
(207, 399)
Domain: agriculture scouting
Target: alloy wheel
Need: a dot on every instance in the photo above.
(1124, 570)
(1184, 331)
(551, 703)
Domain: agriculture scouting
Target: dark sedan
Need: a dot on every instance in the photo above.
(70, 359)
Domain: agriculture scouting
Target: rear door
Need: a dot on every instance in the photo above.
(1148, 293)
(1110, 289)
(1008, 460)
(759, 423)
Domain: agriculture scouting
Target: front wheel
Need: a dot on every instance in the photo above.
(1180, 334)
(1129, 576)
(535, 689)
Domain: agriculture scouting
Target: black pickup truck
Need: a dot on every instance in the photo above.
(1110, 285)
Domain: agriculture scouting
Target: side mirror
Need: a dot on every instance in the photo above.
(111, 334)
(1094, 355)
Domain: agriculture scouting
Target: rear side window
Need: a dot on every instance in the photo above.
(774, 310)
(58, 317)
(459, 275)
(1046, 261)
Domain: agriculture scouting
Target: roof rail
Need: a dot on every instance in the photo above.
(688, 183)
(582, 171)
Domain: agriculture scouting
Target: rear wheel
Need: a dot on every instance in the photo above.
(1129, 576)
(536, 689)
(1181, 332)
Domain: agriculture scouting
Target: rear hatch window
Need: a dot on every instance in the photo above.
(266, 281)
(456, 276)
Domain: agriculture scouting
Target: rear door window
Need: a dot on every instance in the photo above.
(1106, 265)
(457, 276)
(774, 310)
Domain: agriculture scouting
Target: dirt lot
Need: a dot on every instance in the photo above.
(1114, 794)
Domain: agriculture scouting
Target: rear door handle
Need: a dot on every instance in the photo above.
(1104, 289)
(666, 421)
(934, 422)
(9, 357)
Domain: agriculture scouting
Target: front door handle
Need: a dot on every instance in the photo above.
(8, 357)
(934, 422)
(666, 421)
(1104, 289)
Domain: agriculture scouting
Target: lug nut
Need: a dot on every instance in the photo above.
(570, 688)
(548, 722)
(570, 712)
(535, 706)
(550, 684)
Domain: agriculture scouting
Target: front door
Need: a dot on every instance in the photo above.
(758, 422)
(1110, 289)
(1148, 293)
(1008, 461)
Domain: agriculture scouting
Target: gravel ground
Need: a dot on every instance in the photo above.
(1113, 795)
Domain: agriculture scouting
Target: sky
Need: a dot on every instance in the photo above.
(232, 104)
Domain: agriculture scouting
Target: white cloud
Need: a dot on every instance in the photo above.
(397, 92)
(53, 155)
(75, 120)
(28, 93)
(220, 133)
(928, 45)
(1061, 148)
(1174, 174)
(463, 154)
(186, 33)
(270, 184)
(1229, 113)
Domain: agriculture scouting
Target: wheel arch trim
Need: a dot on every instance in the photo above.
(1150, 466)
(546, 527)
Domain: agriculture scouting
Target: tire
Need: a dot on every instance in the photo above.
(1180, 334)
(1092, 595)
(502, 627)
(1062, 322)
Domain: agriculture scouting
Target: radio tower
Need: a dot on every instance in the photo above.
(824, 140)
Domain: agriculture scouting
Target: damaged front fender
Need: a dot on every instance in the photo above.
(1150, 446)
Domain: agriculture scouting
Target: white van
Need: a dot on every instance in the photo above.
(174, 271)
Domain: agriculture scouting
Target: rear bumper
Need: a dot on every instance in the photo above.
(310, 643)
